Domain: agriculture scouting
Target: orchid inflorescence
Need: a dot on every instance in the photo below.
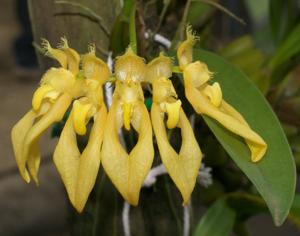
(80, 80)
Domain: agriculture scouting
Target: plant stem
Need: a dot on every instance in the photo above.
(97, 204)
(173, 209)
(162, 14)
(184, 19)
(132, 29)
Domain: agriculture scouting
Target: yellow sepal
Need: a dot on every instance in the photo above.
(183, 167)
(127, 171)
(130, 67)
(90, 160)
(79, 171)
(94, 68)
(18, 135)
(56, 54)
(229, 118)
(66, 158)
(160, 66)
(30, 144)
(73, 57)
(185, 49)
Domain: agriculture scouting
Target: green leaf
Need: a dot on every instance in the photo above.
(289, 48)
(120, 38)
(217, 221)
(278, 19)
(294, 215)
(246, 205)
(274, 176)
(283, 16)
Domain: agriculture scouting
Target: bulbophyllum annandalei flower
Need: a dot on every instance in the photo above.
(78, 85)
(126, 170)
(183, 167)
(207, 98)
(79, 170)
(58, 88)
(49, 103)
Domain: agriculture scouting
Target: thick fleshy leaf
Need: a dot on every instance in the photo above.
(127, 171)
(217, 221)
(183, 167)
(274, 176)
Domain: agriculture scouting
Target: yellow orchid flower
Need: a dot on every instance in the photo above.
(79, 82)
(127, 171)
(50, 101)
(79, 170)
(207, 99)
(183, 167)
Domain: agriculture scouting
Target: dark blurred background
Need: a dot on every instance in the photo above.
(25, 209)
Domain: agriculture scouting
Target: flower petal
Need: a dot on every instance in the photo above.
(90, 161)
(39, 95)
(94, 68)
(229, 118)
(55, 113)
(130, 67)
(73, 57)
(66, 158)
(185, 49)
(214, 93)
(33, 162)
(63, 81)
(18, 134)
(183, 168)
(56, 54)
(127, 171)
(160, 66)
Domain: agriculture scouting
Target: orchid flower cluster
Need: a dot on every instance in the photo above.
(78, 83)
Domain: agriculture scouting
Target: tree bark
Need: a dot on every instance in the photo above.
(52, 21)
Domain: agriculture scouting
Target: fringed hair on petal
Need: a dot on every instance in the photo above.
(56, 54)
(191, 35)
(92, 49)
(63, 44)
(185, 49)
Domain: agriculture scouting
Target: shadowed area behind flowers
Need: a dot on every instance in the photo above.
(25, 209)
